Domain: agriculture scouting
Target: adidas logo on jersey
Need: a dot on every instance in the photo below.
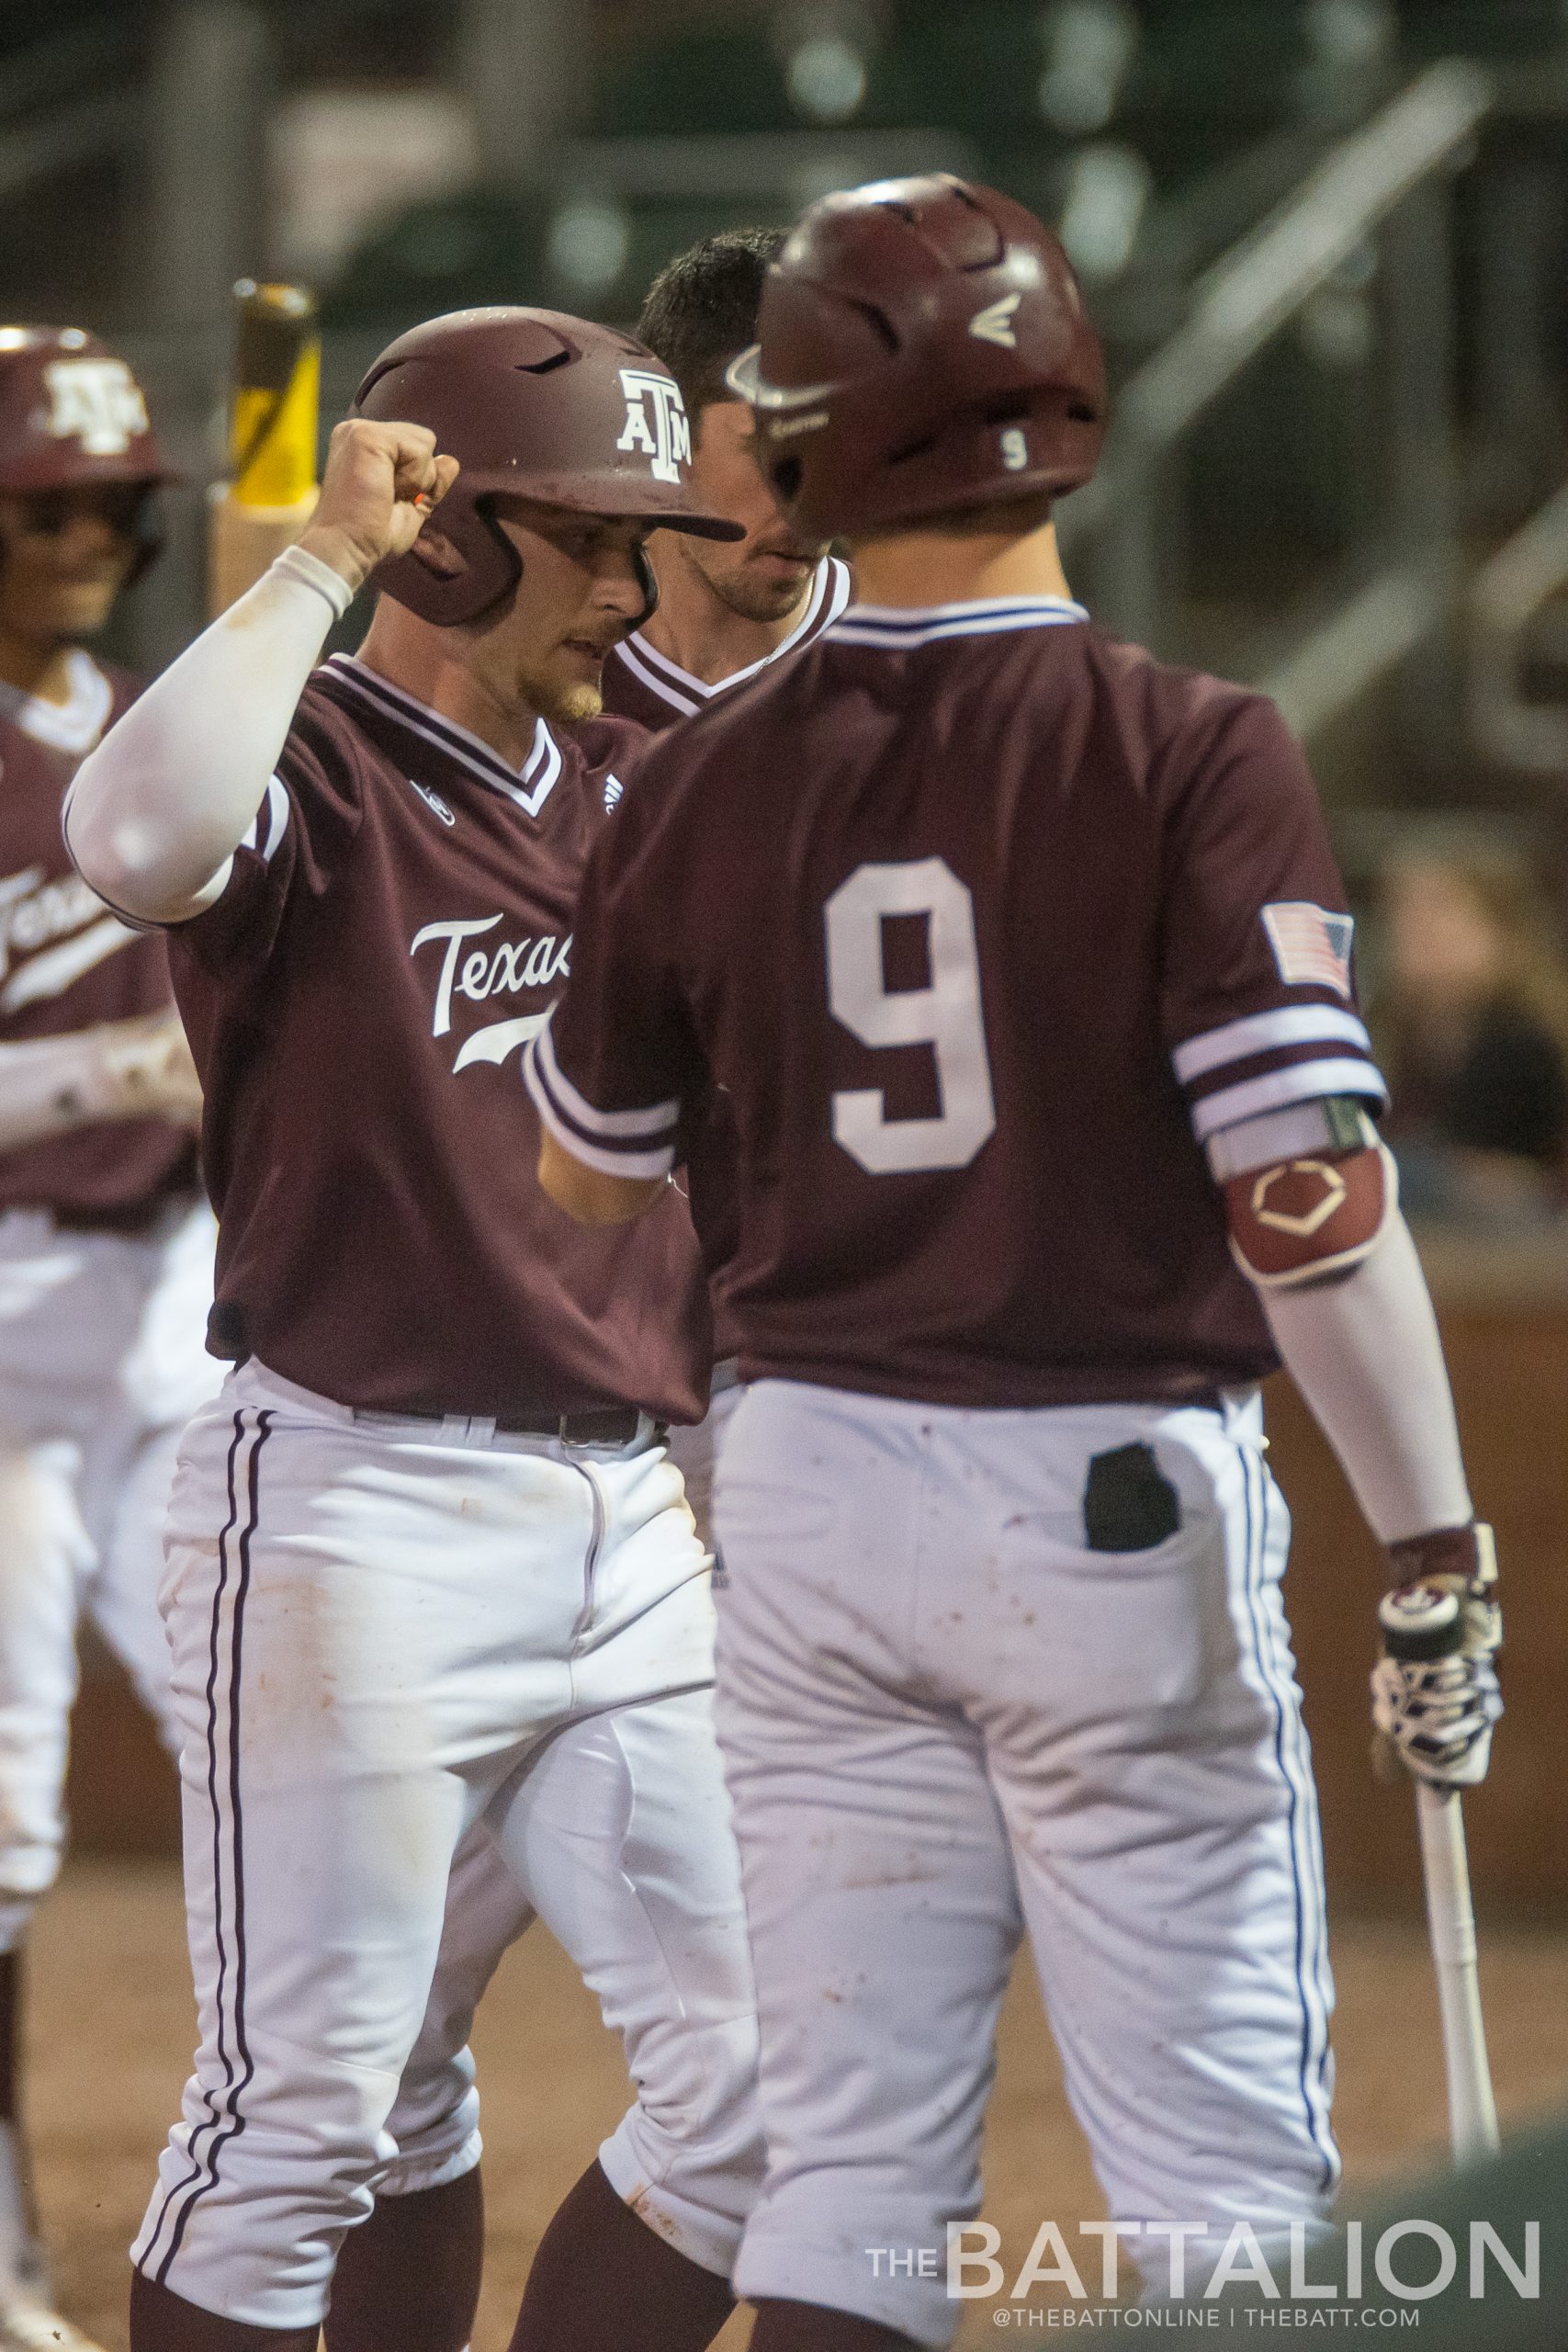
(614, 788)
(433, 800)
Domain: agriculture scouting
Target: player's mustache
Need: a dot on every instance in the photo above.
(794, 551)
(602, 639)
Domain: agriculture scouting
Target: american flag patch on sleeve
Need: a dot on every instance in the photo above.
(1311, 948)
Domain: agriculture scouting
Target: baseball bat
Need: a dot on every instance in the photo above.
(1450, 1920)
(270, 492)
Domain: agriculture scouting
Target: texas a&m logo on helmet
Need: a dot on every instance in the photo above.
(96, 402)
(656, 422)
(71, 413)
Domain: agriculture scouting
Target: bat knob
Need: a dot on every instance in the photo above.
(1421, 1621)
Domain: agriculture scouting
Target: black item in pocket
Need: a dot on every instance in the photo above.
(1129, 1504)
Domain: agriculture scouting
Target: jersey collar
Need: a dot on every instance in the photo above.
(74, 725)
(898, 627)
(529, 788)
(830, 595)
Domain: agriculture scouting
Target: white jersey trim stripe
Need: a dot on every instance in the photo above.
(542, 768)
(831, 585)
(635, 654)
(400, 701)
(1262, 1032)
(1298, 1084)
(638, 1125)
(622, 1162)
(275, 808)
(897, 628)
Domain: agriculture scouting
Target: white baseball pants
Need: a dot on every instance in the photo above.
(435, 2118)
(383, 1634)
(102, 1362)
(695, 1451)
(946, 1721)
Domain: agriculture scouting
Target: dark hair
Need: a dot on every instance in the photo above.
(702, 309)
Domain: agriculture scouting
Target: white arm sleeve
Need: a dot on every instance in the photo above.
(157, 812)
(1365, 1354)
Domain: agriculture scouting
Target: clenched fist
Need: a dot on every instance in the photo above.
(381, 481)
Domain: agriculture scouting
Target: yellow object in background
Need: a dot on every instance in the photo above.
(277, 394)
(271, 491)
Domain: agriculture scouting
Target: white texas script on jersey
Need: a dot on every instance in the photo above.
(51, 932)
(482, 972)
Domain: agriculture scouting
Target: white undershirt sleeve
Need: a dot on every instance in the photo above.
(1365, 1354)
(157, 812)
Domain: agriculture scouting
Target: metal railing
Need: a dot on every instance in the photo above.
(1387, 182)
(1511, 592)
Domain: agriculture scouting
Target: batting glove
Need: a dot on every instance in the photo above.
(1434, 1695)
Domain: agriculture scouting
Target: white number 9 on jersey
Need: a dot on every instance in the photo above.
(947, 1015)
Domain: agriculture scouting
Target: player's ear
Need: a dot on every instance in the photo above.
(436, 552)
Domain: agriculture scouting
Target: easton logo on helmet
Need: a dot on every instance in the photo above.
(994, 323)
(656, 422)
(97, 402)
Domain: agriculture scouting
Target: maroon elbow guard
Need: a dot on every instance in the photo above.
(1300, 1219)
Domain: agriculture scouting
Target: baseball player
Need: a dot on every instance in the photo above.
(1024, 964)
(429, 1562)
(106, 1245)
(726, 610)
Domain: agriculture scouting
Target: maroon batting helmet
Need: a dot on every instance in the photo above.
(73, 417)
(542, 406)
(923, 346)
(71, 413)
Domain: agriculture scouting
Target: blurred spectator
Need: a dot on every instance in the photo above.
(1472, 1029)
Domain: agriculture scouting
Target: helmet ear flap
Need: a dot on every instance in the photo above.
(467, 566)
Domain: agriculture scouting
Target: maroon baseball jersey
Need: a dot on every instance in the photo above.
(640, 683)
(982, 922)
(395, 927)
(67, 963)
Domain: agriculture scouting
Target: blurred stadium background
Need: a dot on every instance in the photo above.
(1325, 242)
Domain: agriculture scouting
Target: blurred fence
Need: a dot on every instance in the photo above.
(1323, 244)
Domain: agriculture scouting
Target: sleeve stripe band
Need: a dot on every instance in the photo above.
(658, 1119)
(614, 1162)
(1301, 1082)
(1261, 1033)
